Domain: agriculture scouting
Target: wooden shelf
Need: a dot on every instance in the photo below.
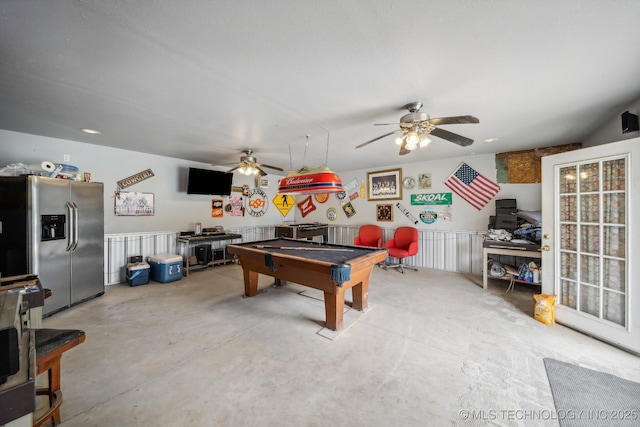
(512, 251)
(513, 280)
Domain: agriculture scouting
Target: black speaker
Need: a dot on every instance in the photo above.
(629, 122)
(203, 254)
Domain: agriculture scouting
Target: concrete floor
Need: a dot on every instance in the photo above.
(431, 346)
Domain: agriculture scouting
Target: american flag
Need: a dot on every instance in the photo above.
(471, 186)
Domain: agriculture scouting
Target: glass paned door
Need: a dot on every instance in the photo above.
(591, 223)
(588, 263)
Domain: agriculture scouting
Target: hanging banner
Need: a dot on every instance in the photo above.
(432, 199)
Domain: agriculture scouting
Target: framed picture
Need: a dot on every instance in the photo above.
(129, 203)
(385, 185)
(384, 212)
(424, 181)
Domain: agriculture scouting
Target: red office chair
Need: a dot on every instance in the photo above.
(369, 235)
(404, 244)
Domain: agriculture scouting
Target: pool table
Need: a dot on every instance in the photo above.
(328, 267)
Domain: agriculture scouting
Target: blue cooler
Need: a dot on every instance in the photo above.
(165, 267)
(138, 273)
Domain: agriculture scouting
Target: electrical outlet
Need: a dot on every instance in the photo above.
(67, 157)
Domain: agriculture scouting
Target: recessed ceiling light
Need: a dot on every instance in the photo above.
(90, 131)
(491, 140)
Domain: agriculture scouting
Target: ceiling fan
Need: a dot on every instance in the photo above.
(249, 165)
(415, 127)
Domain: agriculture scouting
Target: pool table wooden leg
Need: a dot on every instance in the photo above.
(360, 295)
(333, 309)
(250, 283)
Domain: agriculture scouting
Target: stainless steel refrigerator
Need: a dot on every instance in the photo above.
(53, 228)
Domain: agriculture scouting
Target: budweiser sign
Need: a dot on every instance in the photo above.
(322, 182)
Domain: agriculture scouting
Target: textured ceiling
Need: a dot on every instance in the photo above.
(204, 80)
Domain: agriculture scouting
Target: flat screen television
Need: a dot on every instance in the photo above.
(204, 181)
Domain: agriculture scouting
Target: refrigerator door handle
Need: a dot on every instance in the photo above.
(75, 226)
(71, 237)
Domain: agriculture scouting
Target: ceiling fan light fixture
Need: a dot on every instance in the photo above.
(415, 125)
(399, 140)
(412, 139)
(424, 141)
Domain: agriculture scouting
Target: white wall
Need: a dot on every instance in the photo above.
(611, 130)
(464, 217)
(175, 210)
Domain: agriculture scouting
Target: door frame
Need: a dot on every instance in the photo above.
(627, 337)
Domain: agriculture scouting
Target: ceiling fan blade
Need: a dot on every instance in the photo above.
(260, 171)
(269, 166)
(232, 169)
(454, 120)
(453, 137)
(403, 149)
(380, 137)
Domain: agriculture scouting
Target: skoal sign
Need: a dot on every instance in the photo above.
(431, 199)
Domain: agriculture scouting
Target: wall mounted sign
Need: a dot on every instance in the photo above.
(431, 199)
(217, 208)
(261, 182)
(428, 215)
(406, 213)
(128, 203)
(351, 185)
(348, 209)
(341, 196)
(332, 214)
(306, 206)
(257, 202)
(234, 206)
(134, 179)
(321, 198)
(284, 203)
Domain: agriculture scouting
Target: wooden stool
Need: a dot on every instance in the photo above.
(50, 345)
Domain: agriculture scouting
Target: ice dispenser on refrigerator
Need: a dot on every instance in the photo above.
(52, 227)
